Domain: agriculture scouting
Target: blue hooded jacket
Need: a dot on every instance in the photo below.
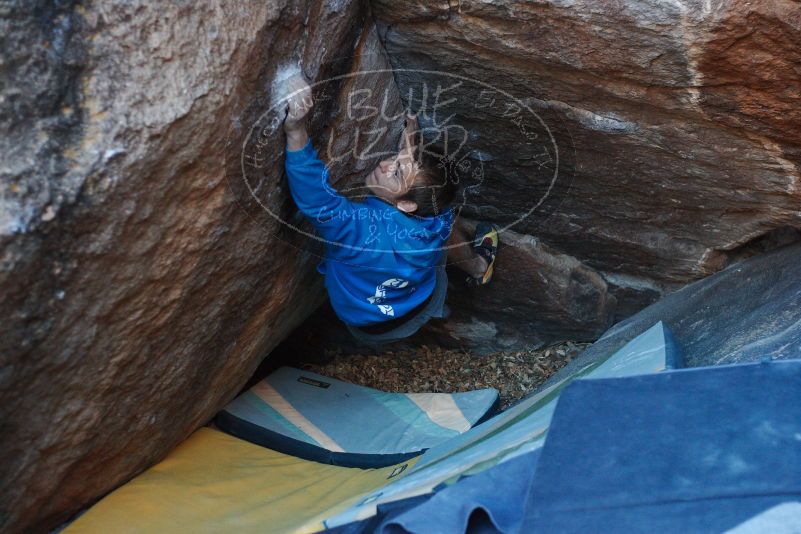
(380, 263)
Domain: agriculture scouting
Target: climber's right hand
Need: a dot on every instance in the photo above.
(299, 103)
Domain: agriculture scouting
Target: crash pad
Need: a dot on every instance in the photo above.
(695, 450)
(516, 431)
(490, 501)
(214, 482)
(330, 421)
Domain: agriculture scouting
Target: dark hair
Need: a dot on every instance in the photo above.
(435, 186)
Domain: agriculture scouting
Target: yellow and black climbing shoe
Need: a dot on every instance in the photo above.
(485, 244)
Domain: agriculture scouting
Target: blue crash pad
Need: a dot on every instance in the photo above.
(702, 449)
(491, 501)
(473, 504)
(325, 420)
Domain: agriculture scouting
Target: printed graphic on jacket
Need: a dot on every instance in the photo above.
(381, 294)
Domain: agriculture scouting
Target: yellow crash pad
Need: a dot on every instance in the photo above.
(214, 482)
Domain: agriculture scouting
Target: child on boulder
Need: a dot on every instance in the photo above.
(384, 262)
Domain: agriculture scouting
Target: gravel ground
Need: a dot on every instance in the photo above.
(514, 374)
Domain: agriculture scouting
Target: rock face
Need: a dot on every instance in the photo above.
(148, 259)
(684, 120)
(537, 295)
(140, 285)
(647, 145)
(746, 313)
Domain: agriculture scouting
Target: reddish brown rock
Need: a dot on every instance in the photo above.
(140, 287)
(672, 129)
(146, 263)
(537, 296)
(682, 118)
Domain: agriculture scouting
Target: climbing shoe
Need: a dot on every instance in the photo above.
(485, 244)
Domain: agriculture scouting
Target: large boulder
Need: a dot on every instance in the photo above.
(150, 256)
(748, 312)
(140, 285)
(536, 295)
(677, 123)
(625, 151)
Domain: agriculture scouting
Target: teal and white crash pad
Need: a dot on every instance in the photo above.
(325, 420)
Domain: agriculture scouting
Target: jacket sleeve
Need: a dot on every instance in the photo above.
(308, 184)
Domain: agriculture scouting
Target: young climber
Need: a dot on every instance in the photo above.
(384, 262)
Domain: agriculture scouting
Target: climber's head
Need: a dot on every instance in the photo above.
(413, 185)
(413, 181)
